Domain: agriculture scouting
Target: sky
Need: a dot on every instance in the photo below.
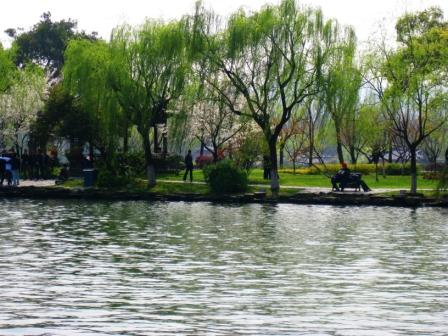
(366, 16)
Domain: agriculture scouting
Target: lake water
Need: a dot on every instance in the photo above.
(139, 268)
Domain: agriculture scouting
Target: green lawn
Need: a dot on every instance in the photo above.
(256, 177)
(289, 179)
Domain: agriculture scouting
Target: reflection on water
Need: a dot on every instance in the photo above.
(137, 268)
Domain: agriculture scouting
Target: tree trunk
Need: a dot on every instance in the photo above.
(310, 154)
(390, 159)
(311, 138)
(151, 175)
(353, 157)
(281, 149)
(376, 171)
(201, 152)
(413, 153)
(215, 154)
(156, 140)
(126, 140)
(339, 144)
(164, 143)
(340, 152)
(275, 185)
(150, 169)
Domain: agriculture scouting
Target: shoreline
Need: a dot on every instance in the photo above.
(330, 198)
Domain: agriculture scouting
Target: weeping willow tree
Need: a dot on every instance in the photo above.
(341, 89)
(273, 59)
(148, 75)
(86, 73)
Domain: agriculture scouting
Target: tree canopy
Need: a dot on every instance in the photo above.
(45, 43)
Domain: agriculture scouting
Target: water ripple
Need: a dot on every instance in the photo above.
(137, 268)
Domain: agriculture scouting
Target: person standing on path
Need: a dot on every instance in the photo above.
(2, 170)
(15, 166)
(188, 166)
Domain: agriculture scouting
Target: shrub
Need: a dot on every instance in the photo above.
(169, 163)
(250, 151)
(399, 169)
(332, 168)
(434, 167)
(431, 175)
(107, 179)
(363, 168)
(203, 160)
(130, 164)
(443, 180)
(225, 177)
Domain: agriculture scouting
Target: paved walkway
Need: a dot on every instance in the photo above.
(38, 183)
(316, 190)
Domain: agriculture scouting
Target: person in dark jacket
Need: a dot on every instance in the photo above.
(15, 166)
(8, 168)
(2, 171)
(341, 177)
(188, 166)
(25, 165)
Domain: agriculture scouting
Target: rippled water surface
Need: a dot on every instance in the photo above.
(137, 268)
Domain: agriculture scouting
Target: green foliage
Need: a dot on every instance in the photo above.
(45, 43)
(63, 117)
(109, 179)
(6, 70)
(341, 86)
(225, 177)
(411, 82)
(133, 164)
(86, 70)
(431, 175)
(392, 169)
(443, 180)
(148, 73)
(399, 169)
(169, 163)
(274, 60)
(128, 164)
(250, 150)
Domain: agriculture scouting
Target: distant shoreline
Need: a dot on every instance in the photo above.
(338, 199)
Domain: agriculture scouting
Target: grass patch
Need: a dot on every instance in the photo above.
(165, 184)
(72, 183)
(168, 188)
(300, 180)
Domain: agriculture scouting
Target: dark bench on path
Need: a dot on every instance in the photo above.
(353, 181)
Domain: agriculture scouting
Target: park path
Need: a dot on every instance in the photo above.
(315, 190)
(38, 183)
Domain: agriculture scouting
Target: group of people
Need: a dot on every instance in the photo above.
(9, 168)
(33, 165)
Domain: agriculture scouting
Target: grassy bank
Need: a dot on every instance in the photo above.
(300, 180)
